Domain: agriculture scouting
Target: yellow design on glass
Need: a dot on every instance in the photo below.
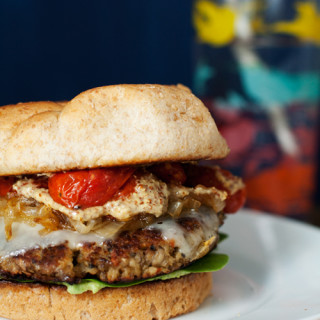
(214, 24)
(305, 26)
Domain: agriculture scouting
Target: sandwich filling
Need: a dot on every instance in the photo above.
(116, 224)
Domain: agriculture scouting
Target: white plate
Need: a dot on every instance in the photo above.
(273, 272)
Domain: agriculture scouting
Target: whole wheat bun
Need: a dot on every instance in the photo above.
(108, 126)
(158, 300)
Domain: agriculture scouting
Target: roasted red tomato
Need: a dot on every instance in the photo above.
(127, 188)
(206, 176)
(5, 185)
(209, 177)
(169, 172)
(87, 188)
(235, 201)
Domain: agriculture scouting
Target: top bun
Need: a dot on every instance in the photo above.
(108, 126)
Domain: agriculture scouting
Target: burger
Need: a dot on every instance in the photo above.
(105, 210)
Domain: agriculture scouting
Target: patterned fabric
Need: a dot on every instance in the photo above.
(257, 69)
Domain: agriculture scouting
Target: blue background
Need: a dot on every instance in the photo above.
(53, 50)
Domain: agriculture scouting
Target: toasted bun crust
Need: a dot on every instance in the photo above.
(108, 126)
(152, 301)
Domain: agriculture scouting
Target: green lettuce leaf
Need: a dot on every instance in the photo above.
(209, 263)
(222, 236)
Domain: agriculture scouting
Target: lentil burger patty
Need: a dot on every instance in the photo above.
(143, 253)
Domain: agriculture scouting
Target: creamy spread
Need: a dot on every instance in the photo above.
(150, 196)
(233, 183)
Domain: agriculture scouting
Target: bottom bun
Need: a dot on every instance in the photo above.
(158, 300)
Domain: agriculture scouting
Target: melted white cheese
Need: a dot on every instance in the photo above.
(188, 242)
(26, 237)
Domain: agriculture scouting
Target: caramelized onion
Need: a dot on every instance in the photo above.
(84, 227)
(176, 207)
(138, 222)
(29, 211)
(19, 209)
